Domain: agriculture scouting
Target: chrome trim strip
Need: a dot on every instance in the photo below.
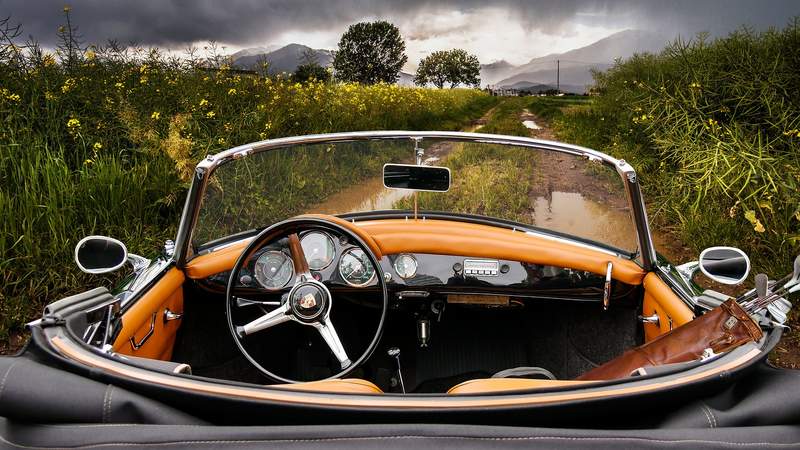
(715, 368)
(210, 163)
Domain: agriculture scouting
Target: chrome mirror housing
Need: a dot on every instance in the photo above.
(102, 254)
(726, 265)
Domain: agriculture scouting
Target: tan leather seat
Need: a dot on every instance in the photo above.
(491, 385)
(346, 386)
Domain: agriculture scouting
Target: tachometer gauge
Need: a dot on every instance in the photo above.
(274, 269)
(356, 268)
(405, 265)
(319, 250)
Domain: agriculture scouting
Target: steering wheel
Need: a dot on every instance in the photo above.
(309, 301)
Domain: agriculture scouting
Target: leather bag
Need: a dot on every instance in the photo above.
(722, 329)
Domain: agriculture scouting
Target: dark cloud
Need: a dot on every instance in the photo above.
(175, 23)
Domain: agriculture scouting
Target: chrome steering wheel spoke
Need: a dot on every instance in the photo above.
(328, 333)
(277, 316)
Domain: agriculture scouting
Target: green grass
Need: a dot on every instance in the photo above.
(104, 141)
(712, 128)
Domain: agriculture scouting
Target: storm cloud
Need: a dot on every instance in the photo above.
(243, 23)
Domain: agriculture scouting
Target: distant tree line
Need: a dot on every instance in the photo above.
(374, 52)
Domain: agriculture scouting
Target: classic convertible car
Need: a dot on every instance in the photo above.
(405, 277)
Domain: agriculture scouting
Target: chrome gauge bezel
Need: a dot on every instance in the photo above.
(303, 236)
(341, 258)
(291, 269)
(397, 271)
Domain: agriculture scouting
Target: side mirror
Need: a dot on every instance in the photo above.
(100, 254)
(726, 265)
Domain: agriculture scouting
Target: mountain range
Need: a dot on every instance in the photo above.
(537, 74)
(575, 65)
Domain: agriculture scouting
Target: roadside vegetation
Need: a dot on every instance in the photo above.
(487, 179)
(103, 140)
(713, 129)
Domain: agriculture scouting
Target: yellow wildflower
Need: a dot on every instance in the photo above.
(203, 102)
(119, 85)
(97, 146)
(88, 162)
(231, 91)
(73, 123)
(90, 55)
(156, 115)
(14, 97)
(69, 83)
(210, 114)
(221, 141)
(48, 60)
(67, 8)
(49, 96)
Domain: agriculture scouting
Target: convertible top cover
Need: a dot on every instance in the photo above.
(758, 409)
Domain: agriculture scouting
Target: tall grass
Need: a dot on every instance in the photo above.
(712, 127)
(103, 140)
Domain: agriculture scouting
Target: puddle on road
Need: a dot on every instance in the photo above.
(572, 213)
(531, 125)
(370, 195)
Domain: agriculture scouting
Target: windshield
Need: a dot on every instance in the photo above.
(543, 189)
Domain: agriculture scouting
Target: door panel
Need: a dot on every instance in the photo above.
(145, 333)
(659, 299)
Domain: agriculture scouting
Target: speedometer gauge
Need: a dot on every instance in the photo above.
(274, 269)
(406, 266)
(319, 250)
(356, 268)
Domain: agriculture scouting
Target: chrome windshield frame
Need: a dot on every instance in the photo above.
(207, 166)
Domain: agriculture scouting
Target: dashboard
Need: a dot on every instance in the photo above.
(336, 261)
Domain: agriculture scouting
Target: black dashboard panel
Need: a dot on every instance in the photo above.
(438, 276)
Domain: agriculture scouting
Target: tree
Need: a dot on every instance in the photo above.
(370, 52)
(432, 69)
(449, 66)
(309, 68)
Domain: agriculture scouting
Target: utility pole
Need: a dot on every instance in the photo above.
(558, 76)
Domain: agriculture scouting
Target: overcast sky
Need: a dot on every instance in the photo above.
(512, 30)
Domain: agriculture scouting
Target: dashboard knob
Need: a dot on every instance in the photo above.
(246, 280)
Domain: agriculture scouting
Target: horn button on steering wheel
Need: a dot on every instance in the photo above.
(309, 301)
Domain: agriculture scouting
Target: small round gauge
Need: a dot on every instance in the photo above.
(405, 265)
(319, 250)
(273, 269)
(356, 268)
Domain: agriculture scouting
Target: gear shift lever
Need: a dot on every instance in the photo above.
(394, 352)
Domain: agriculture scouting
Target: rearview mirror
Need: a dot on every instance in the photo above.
(418, 178)
(726, 265)
(100, 254)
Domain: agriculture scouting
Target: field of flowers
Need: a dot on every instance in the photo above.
(104, 140)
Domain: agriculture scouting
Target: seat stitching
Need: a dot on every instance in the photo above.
(710, 414)
(400, 437)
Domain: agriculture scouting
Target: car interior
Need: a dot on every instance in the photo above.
(471, 307)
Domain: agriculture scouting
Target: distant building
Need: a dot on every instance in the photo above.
(502, 91)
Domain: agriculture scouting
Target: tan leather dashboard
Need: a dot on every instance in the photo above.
(442, 237)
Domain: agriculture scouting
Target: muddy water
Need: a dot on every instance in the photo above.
(369, 195)
(572, 213)
(531, 125)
